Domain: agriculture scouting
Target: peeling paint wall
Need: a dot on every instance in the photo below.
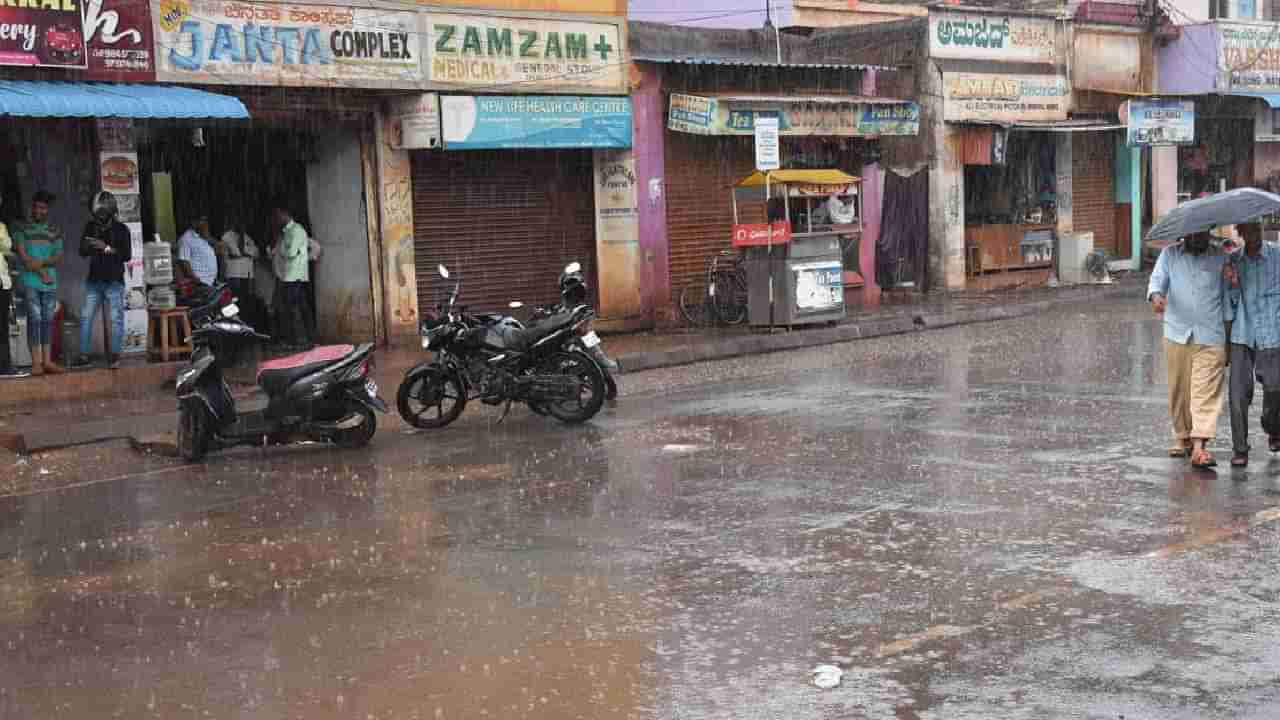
(395, 221)
(335, 198)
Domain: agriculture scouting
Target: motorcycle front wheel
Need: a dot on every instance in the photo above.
(591, 387)
(193, 432)
(431, 399)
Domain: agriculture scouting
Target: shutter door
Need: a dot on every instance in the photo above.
(505, 222)
(1093, 198)
(700, 172)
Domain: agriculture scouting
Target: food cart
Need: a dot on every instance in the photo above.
(795, 261)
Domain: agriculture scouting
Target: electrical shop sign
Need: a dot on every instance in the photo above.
(271, 43)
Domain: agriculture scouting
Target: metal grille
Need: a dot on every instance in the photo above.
(504, 222)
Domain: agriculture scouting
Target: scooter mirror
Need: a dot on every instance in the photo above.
(444, 271)
(515, 305)
(572, 267)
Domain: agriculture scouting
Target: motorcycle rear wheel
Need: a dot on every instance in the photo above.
(591, 381)
(360, 435)
(432, 389)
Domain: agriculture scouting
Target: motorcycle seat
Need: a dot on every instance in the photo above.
(275, 376)
(521, 339)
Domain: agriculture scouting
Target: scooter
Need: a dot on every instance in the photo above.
(323, 395)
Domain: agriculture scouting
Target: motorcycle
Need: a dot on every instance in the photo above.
(324, 394)
(496, 359)
(573, 292)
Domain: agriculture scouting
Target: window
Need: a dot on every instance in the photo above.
(1247, 9)
(1272, 11)
(1219, 9)
(1275, 122)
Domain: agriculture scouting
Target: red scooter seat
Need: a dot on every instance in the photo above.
(274, 376)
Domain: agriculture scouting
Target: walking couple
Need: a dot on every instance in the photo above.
(1221, 310)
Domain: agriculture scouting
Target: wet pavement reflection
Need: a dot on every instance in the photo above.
(971, 523)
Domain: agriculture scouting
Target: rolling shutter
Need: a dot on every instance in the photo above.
(1093, 189)
(505, 222)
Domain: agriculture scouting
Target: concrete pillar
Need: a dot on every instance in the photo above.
(649, 114)
(946, 211)
(1164, 181)
(395, 233)
(1135, 207)
(1062, 178)
(617, 241)
(872, 207)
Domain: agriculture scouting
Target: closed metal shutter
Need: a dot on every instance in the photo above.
(1093, 198)
(700, 173)
(505, 222)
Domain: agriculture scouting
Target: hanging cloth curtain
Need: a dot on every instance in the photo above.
(902, 254)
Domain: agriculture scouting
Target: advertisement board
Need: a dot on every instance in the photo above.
(42, 34)
(981, 36)
(700, 115)
(415, 122)
(761, 234)
(118, 34)
(1002, 97)
(819, 286)
(483, 51)
(1249, 57)
(1161, 122)
(768, 146)
(535, 121)
(268, 43)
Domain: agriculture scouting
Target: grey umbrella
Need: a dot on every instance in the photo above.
(1228, 208)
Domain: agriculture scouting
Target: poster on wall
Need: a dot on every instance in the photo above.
(118, 34)
(42, 34)
(1249, 57)
(1161, 122)
(268, 43)
(135, 315)
(1002, 97)
(984, 36)
(415, 122)
(535, 121)
(475, 51)
(120, 172)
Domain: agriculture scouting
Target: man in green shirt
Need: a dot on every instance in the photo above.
(292, 257)
(39, 246)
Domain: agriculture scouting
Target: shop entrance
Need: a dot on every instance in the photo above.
(1010, 200)
(505, 221)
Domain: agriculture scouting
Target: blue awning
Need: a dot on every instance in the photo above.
(1272, 99)
(38, 98)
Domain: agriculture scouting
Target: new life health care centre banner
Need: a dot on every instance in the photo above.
(535, 121)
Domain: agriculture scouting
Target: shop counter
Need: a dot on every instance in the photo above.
(1015, 246)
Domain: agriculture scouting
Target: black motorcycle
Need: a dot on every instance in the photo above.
(324, 394)
(497, 360)
(573, 292)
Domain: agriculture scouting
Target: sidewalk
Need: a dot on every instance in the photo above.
(97, 404)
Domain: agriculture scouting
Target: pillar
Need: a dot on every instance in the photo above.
(1164, 181)
(395, 234)
(648, 142)
(618, 260)
(872, 211)
(946, 213)
(1135, 207)
(1062, 159)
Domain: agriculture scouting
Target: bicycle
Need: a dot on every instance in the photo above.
(723, 297)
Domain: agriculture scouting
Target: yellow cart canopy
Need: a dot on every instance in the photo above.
(800, 177)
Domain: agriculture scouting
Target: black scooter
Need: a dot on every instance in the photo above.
(324, 394)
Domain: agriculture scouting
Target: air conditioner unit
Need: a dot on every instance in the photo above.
(1073, 254)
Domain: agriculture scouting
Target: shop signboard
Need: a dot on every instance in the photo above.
(535, 121)
(119, 38)
(826, 117)
(1161, 122)
(768, 151)
(44, 34)
(819, 286)
(534, 54)
(999, 97)
(982, 36)
(1249, 57)
(415, 122)
(761, 234)
(269, 43)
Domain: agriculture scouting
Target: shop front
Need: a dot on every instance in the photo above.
(520, 162)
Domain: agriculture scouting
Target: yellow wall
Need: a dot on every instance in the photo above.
(610, 7)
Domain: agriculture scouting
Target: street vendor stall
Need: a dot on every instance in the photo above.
(794, 263)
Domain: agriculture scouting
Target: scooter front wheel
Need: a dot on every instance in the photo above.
(193, 432)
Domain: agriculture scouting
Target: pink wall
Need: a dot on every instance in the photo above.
(649, 116)
(872, 204)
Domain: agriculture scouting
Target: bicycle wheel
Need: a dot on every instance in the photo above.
(730, 298)
(693, 305)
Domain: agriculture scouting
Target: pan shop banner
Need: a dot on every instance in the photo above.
(1161, 122)
(997, 97)
(281, 44)
(43, 33)
(831, 116)
(535, 121)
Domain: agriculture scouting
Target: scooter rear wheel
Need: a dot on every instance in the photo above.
(193, 432)
(359, 435)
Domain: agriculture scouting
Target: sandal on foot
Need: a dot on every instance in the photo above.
(1240, 460)
(1203, 460)
(1180, 451)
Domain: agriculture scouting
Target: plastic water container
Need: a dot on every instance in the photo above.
(162, 297)
(157, 265)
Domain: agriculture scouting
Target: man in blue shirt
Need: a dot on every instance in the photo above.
(1188, 288)
(1255, 340)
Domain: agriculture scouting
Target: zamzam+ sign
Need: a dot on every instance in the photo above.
(468, 50)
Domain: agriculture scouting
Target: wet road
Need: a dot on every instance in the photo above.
(972, 523)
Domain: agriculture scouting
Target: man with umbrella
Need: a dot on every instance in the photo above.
(1255, 340)
(1188, 288)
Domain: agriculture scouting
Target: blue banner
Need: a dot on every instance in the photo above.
(1161, 122)
(535, 121)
